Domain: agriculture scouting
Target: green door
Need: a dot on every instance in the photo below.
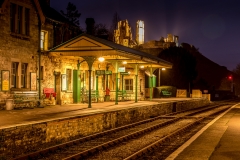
(76, 86)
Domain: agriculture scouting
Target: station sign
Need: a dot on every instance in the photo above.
(124, 73)
(100, 72)
(121, 69)
(108, 72)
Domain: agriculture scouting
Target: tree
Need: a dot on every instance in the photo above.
(98, 30)
(237, 69)
(236, 79)
(183, 71)
(101, 29)
(72, 13)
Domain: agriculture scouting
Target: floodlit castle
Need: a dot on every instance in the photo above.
(140, 32)
(123, 36)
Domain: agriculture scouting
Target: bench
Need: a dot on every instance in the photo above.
(48, 92)
(94, 96)
(166, 93)
(49, 96)
(123, 94)
(25, 99)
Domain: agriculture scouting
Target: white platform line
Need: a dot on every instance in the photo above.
(186, 144)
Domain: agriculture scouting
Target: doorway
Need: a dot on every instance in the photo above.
(58, 87)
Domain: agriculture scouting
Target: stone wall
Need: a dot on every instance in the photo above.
(21, 139)
(17, 47)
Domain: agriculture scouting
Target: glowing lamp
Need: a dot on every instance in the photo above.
(141, 66)
(124, 62)
(163, 69)
(101, 59)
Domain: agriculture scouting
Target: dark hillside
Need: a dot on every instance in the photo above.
(210, 74)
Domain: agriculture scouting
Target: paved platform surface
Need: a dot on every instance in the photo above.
(218, 140)
(27, 116)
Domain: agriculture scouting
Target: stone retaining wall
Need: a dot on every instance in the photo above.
(22, 139)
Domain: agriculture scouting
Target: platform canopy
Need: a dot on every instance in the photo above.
(86, 45)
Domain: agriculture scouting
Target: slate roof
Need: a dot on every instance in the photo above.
(116, 46)
(52, 14)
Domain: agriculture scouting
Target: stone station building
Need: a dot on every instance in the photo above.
(38, 52)
(123, 69)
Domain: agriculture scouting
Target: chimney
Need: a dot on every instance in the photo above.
(90, 23)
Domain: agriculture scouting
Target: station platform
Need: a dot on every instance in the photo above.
(14, 118)
(218, 140)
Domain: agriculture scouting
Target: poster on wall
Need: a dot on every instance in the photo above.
(33, 79)
(5, 80)
(64, 82)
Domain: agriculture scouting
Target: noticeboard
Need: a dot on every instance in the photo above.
(121, 69)
(64, 82)
(33, 79)
(5, 80)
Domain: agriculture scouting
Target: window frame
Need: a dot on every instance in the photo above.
(44, 40)
(128, 84)
(14, 74)
(19, 19)
(24, 67)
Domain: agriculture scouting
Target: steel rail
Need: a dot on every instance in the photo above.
(91, 137)
(153, 146)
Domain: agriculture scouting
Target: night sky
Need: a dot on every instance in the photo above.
(213, 26)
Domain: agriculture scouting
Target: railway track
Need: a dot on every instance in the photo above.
(140, 134)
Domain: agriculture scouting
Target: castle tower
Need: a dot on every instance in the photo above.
(123, 34)
(140, 32)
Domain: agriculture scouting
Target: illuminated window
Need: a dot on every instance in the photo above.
(129, 84)
(69, 79)
(44, 40)
(24, 75)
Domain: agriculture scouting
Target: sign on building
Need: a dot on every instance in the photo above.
(100, 72)
(108, 72)
(5, 80)
(121, 69)
(124, 73)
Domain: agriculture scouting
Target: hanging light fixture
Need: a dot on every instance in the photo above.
(124, 62)
(163, 69)
(101, 59)
(141, 66)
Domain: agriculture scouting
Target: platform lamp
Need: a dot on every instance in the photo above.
(100, 59)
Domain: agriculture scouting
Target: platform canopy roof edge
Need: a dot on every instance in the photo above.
(87, 45)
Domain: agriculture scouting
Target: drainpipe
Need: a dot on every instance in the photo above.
(39, 59)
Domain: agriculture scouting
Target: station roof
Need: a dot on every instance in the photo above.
(86, 45)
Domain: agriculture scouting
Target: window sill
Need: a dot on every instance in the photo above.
(20, 89)
(20, 36)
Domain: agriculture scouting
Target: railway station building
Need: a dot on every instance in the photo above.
(42, 52)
